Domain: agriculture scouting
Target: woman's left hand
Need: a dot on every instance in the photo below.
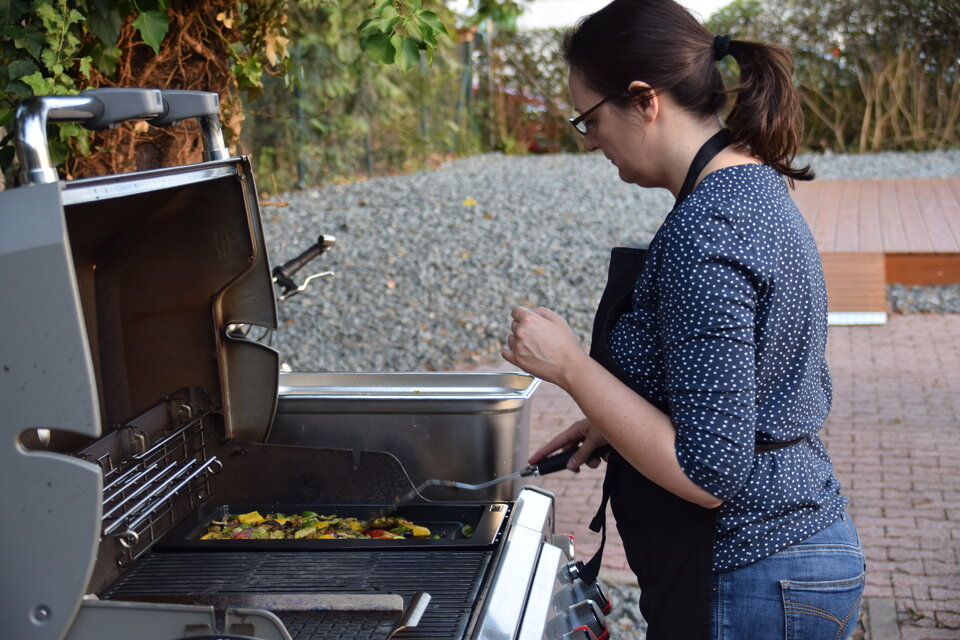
(542, 344)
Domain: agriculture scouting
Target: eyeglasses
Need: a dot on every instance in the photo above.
(580, 122)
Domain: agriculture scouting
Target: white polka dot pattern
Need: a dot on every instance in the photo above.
(728, 335)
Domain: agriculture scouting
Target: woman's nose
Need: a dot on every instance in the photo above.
(589, 143)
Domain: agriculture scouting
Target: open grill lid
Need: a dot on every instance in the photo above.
(118, 290)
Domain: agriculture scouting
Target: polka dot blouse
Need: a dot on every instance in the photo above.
(727, 334)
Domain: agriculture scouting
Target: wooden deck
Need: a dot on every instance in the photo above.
(875, 232)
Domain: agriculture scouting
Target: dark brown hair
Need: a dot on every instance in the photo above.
(661, 43)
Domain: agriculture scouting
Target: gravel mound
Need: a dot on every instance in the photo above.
(428, 265)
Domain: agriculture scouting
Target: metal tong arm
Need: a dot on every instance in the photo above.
(106, 108)
(283, 274)
(550, 464)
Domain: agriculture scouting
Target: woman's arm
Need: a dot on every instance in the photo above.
(543, 345)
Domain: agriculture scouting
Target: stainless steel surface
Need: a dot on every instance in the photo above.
(108, 187)
(471, 427)
(213, 146)
(124, 390)
(46, 381)
(31, 124)
(539, 608)
(506, 601)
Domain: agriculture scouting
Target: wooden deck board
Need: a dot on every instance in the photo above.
(874, 232)
(855, 282)
(934, 220)
(891, 226)
(868, 218)
(914, 227)
(847, 229)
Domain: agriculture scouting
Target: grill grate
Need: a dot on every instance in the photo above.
(452, 578)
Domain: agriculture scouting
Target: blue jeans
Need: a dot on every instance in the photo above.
(809, 591)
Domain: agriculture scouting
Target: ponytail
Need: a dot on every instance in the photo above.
(766, 117)
(661, 43)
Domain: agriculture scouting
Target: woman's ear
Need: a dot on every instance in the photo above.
(646, 100)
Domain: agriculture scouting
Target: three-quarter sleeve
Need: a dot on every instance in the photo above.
(707, 293)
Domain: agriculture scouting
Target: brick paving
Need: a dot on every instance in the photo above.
(894, 437)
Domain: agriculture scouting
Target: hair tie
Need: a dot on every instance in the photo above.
(721, 46)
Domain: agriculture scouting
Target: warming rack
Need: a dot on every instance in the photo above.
(147, 487)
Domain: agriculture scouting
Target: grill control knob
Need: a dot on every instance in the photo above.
(570, 572)
(597, 592)
(585, 616)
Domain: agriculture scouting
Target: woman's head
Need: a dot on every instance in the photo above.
(660, 43)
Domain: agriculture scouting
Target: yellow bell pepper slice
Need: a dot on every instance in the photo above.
(250, 518)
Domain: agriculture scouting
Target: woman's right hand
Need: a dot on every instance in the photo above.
(581, 431)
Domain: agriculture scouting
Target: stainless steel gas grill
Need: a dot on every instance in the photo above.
(137, 410)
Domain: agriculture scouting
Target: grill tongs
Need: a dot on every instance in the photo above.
(550, 464)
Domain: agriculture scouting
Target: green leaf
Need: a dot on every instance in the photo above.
(105, 59)
(105, 23)
(84, 65)
(379, 48)
(51, 20)
(20, 68)
(38, 84)
(430, 18)
(31, 42)
(153, 26)
(408, 54)
(49, 58)
(6, 116)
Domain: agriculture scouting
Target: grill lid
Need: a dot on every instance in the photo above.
(120, 289)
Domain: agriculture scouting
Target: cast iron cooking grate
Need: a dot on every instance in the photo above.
(452, 578)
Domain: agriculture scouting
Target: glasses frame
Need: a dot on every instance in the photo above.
(580, 120)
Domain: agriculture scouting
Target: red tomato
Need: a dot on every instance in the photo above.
(376, 533)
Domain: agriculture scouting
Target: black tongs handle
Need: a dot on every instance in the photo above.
(558, 461)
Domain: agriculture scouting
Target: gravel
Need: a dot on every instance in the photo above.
(428, 265)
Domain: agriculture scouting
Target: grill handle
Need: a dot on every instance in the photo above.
(283, 274)
(105, 108)
(179, 105)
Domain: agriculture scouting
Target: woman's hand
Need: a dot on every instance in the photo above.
(542, 343)
(580, 431)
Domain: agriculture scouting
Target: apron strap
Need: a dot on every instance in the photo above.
(590, 570)
(717, 143)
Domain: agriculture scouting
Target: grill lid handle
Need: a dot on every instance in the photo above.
(179, 105)
(106, 108)
(94, 109)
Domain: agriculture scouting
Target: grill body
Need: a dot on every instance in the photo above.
(132, 408)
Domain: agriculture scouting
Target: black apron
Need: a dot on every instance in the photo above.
(668, 541)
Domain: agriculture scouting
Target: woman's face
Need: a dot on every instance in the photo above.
(618, 133)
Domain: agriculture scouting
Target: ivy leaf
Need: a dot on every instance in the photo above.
(38, 84)
(84, 65)
(20, 68)
(378, 47)
(51, 20)
(153, 26)
(31, 41)
(105, 22)
(105, 59)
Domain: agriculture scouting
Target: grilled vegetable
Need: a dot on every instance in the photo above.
(310, 525)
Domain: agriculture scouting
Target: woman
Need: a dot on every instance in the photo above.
(707, 374)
